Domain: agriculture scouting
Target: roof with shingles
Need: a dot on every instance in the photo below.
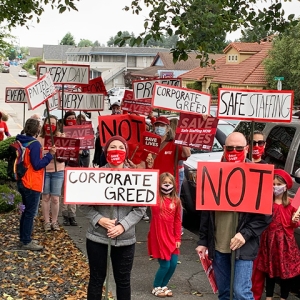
(35, 52)
(55, 52)
(249, 71)
(244, 47)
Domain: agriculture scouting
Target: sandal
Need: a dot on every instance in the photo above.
(167, 292)
(158, 292)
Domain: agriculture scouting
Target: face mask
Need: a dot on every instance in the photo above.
(116, 112)
(70, 122)
(115, 157)
(47, 128)
(161, 131)
(257, 151)
(235, 156)
(166, 188)
(279, 189)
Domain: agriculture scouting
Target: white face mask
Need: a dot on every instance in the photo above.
(279, 189)
(160, 130)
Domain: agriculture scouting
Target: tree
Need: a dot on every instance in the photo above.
(5, 43)
(85, 43)
(284, 61)
(68, 39)
(197, 22)
(121, 34)
(96, 44)
(255, 34)
(15, 12)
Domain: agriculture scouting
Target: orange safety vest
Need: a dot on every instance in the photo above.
(33, 180)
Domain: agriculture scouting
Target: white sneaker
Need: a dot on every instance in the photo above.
(146, 218)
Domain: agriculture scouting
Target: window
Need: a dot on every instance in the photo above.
(278, 144)
(229, 56)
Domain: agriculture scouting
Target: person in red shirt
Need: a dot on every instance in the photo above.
(3, 128)
(164, 237)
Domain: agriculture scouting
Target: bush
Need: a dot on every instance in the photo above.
(4, 146)
(10, 199)
(3, 170)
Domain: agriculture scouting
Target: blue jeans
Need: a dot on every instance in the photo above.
(31, 200)
(242, 277)
(53, 183)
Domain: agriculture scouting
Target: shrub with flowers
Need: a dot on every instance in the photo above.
(10, 199)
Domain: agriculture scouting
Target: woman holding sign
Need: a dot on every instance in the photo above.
(53, 179)
(120, 228)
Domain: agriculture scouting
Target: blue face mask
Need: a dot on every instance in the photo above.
(160, 130)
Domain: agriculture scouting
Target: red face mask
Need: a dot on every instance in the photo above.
(70, 122)
(257, 151)
(47, 128)
(115, 157)
(235, 156)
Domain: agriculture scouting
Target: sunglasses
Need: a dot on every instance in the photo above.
(237, 148)
(259, 143)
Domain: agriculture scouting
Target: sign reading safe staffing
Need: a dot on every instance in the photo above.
(241, 187)
(103, 186)
(255, 105)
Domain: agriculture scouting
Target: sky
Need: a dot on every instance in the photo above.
(94, 20)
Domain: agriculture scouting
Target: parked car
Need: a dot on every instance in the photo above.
(22, 73)
(4, 69)
(117, 96)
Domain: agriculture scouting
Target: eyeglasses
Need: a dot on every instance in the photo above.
(259, 143)
(237, 148)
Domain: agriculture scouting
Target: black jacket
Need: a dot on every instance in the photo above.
(250, 225)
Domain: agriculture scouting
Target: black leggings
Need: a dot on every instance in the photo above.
(285, 286)
(122, 261)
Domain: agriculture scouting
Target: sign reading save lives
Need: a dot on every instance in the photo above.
(180, 99)
(40, 90)
(255, 105)
(111, 186)
(66, 73)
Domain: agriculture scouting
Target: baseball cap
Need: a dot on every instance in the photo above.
(162, 120)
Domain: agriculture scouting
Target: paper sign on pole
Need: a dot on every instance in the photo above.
(40, 91)
(90, 186)
(193, 131)
(241, 187)
(95, 85)
(15, 95)
(255, 105)
(180, 99)
(136, 106)
(65, 73)
(143, 89)
(83, 101)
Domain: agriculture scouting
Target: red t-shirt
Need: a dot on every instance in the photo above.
(3, 129)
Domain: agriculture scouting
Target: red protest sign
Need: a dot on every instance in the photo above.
(142, 106)
(94, 86)
(193, 131)
(209, 271)
(242, 187)
(151, 142)
(296, 200)
(66, 149)
(130, 127)
(84, 133)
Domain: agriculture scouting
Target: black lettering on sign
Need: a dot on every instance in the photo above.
(243, 186)
(204, 187)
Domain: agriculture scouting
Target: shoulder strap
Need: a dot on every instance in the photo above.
(176, 161)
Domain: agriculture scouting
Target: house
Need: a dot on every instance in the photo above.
(34, 52)
(241, 67)
(55, 54)
(163, 65)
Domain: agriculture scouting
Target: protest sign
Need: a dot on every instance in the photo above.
(83, 101)
(143, 89)
(54, 102)
(65, 73)
(151, 142)
(111, 186)
(135, 106)
(180, 99)
(255, 105)
(193, 131)
(240, 187)
(15, 95)
(209, 271)
(66, 149)
(95, 86)
(130, 127)
(84, 133)
(40, 91)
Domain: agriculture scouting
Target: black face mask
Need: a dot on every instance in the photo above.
(167, 188)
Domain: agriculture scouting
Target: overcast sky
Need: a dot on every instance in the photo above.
(94, 20)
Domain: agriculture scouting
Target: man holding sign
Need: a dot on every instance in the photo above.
(216, 235)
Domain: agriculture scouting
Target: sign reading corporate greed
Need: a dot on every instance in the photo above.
(180, 99)
(255, 105)
(65, 73)
(102, 186)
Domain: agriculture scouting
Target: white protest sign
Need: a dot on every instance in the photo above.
(54, 102)
(15, 95)
(143, 89)
(180, 99)
(83, 101)
(66, 73)
(255, 105)
(102, 186)
(40, 90)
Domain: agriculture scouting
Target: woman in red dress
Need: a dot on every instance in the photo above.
(279, 255)
(164, 238)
